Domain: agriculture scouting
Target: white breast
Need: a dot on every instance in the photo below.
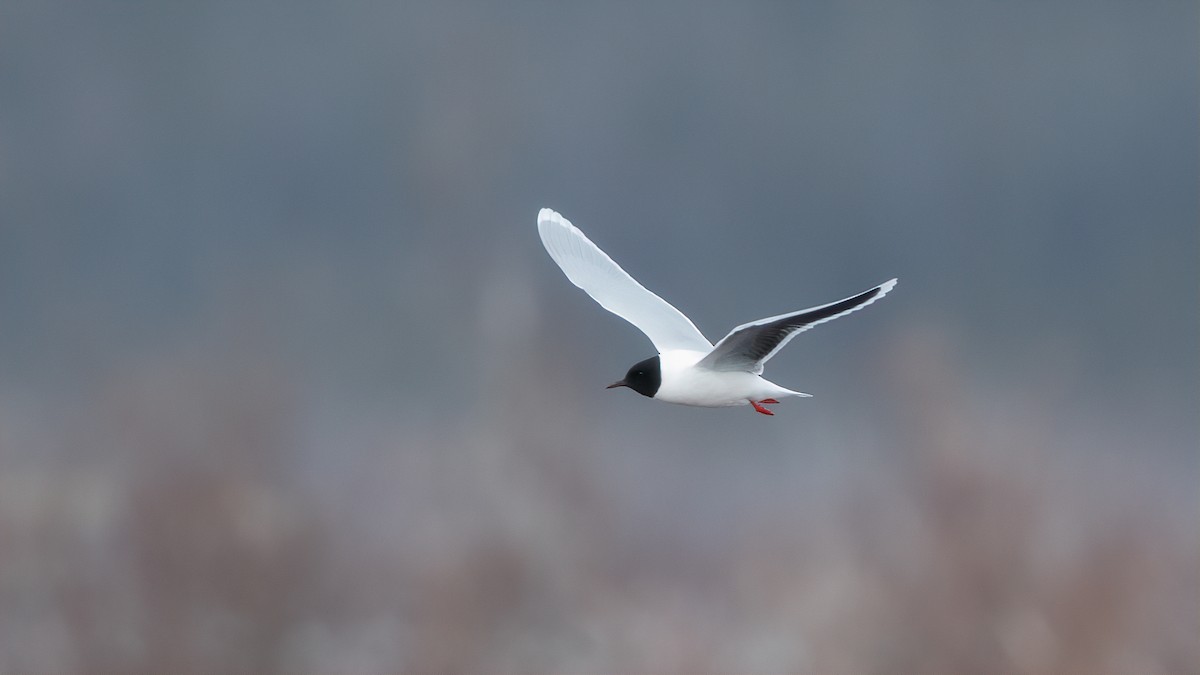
(683, 383)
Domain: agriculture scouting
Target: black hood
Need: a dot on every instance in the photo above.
(644, 377)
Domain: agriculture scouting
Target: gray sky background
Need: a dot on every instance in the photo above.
(272, 292)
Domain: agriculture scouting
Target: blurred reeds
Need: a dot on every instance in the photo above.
(193, 540)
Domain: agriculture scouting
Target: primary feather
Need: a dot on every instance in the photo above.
(750, 345)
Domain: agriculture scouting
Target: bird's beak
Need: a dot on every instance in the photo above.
(618, 383)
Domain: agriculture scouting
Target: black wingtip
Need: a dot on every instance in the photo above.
(844, 305)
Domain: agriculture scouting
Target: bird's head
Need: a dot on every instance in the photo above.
(644, 377)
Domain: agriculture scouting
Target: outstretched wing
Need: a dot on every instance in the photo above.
(748, 346)
(592, 270)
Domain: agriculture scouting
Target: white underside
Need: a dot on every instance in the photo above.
(684, 384)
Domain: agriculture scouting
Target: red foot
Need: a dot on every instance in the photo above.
(769, 400)
(761, 409)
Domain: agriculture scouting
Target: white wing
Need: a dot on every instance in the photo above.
(748, 346)
(592, 270)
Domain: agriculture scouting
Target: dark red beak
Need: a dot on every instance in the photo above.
(619, 383)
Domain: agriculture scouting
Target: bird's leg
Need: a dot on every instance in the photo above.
(761, 409)
(769, 400)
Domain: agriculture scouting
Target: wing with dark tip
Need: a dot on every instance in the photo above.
(748, 346)
(592, 270)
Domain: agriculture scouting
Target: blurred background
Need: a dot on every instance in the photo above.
(288, 383)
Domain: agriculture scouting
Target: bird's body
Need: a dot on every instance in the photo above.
(688, 369)
(684, 383)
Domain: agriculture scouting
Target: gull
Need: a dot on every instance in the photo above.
(688, 369)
